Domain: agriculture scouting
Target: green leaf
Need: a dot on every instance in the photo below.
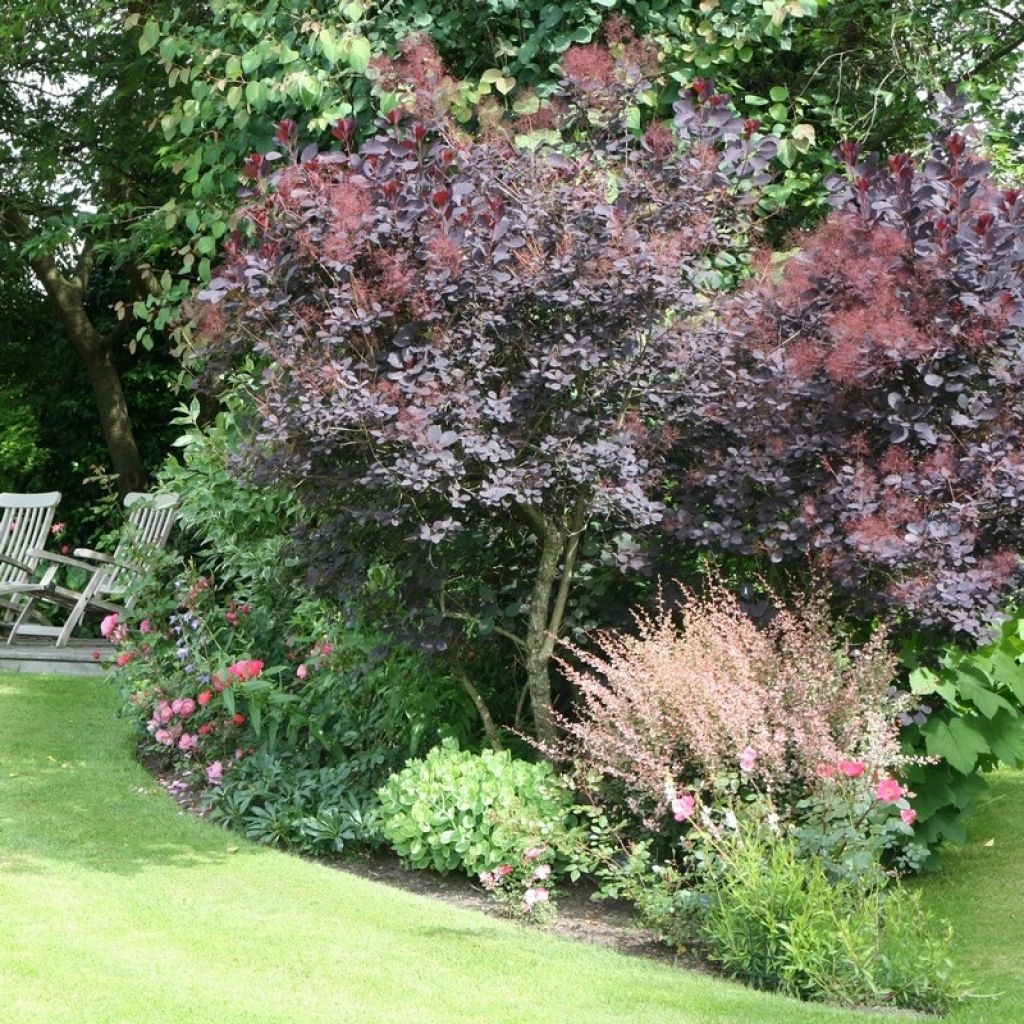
(1005, 736)
(778, 93)
(256, 95)
(359, 54)
(330, 46)
(957, 741)
(787, 152)
(150, 36)
(252, 60)
(529, 104)
(984, 699)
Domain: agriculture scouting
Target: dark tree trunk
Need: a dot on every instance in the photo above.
(67, 295)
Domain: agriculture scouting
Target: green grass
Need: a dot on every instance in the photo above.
(117, 907)
(980, 889)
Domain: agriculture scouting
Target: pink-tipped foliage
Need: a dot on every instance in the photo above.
(688, 696)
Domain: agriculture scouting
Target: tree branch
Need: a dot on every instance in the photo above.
(490, 729)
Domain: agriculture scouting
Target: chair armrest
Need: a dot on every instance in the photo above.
(23, 566)
(99, 556)
(93, 556)
(73, 563)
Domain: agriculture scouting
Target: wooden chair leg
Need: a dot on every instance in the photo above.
(19, 621)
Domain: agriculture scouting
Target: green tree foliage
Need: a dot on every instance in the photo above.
(76, 173)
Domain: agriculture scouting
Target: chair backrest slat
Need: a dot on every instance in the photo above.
(24, 527)
(151, 518)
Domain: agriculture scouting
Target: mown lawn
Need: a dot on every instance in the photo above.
(980, 889)
(117, 907)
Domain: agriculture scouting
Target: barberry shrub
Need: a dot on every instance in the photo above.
(694, 695)
(473, 347)
(868, 408)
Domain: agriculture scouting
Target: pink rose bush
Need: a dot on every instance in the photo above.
(524, 889)
(188, 694)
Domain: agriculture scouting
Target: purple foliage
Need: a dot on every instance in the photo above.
(868, 408)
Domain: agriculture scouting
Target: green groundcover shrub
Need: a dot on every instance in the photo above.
(454, 810)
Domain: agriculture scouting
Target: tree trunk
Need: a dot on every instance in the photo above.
(538, 648)
(113, 411)
(67, 295)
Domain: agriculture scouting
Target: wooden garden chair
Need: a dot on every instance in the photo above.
(25, 521)
(151, 518)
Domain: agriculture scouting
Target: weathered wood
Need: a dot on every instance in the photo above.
(44, 659)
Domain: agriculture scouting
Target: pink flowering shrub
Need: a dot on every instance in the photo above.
(525, 888)
(706, 692)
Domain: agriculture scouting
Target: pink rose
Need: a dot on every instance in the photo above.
(188, 707)
(542, 872)
(204, 698)
(247, 668)
(534, 896)
(852, 769)
(503, 871)
(908, 815)
(176, 705)
(748, 758)
(165, 712)
(187, 741)
(57, 529)
(145, 626)
(214, 773)
(534, 852)
(302, 672)
(125, 658)
(163, 736)
(108, 625)
(888, 791)
(683, 807)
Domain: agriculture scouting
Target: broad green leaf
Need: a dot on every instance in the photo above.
(985, 700)
(256, 95)
(252, 60)
(150, 36)
(330, 46)
(787, 152)
(778, 93)
(957, 741)
(526, 105)
(1005, 736)
(359, 54)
